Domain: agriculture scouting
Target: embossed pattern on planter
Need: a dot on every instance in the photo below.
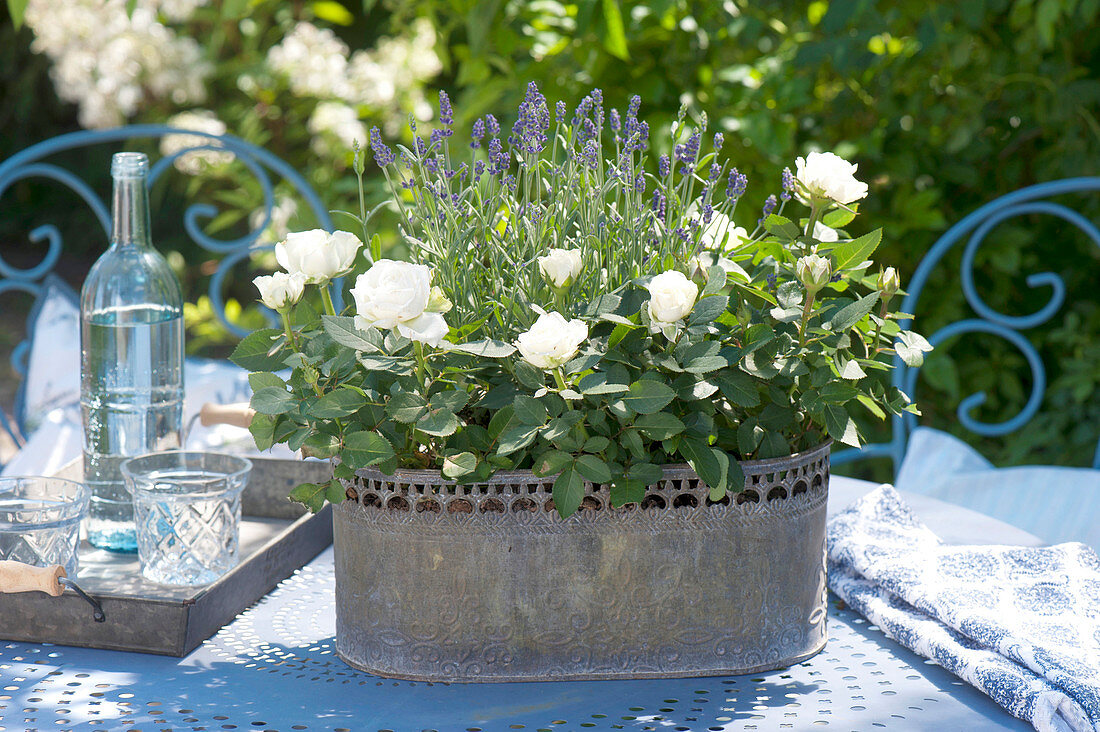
(485, 582)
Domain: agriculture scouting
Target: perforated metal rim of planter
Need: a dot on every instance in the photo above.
(484, 582)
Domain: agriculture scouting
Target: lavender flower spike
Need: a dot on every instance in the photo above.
(736, 184)
(382, 154)
(769, 205)
(788, 185)
(664, 167)
(477, 133)
(446, 113)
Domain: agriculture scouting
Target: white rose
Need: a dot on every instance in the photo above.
(318, 255)
(721, 232)
(560, 267)
(671, 298)
(551, 341)
(390, 293)
(280, 290)
(827, 175)
(825, 233)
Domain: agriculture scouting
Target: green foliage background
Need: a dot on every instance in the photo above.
(944, 106)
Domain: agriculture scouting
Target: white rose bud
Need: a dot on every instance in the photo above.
(395, 295)
(279, 291)
(888, 282)
(825, 233)
(671, 298)
(318, 255)
(551, 341)
(813, 272)
(827, 175)
(560, 267)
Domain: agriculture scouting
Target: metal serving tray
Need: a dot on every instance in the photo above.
(277, 537)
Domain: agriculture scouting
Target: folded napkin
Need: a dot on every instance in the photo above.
(1020, 624)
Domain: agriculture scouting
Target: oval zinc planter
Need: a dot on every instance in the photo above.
(438, 582)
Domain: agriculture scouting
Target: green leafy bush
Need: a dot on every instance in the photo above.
(594, 316)
(945, 106)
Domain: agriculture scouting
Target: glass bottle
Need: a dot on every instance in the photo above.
(131, 340)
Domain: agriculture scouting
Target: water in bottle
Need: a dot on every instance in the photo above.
(131, 357)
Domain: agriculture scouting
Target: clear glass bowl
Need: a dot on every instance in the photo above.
(40, 520)
(187, 510)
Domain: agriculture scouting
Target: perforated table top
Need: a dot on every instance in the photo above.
(274, 668)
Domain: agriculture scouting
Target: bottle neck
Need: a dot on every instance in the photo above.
(130, 212)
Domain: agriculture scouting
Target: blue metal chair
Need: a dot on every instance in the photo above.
(973, 229)
(33, 163)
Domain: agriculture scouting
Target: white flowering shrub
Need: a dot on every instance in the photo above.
(570, 309)
(284, 82)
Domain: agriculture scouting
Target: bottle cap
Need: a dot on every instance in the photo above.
(129, 165)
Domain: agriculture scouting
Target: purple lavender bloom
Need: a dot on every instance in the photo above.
(498, 158)
(635, 105)
(719, 138)
(382, 154)
(431, 164)
(687, 152)
(659, 204)
(682, 233)
(837, 277)
(492, 125)
(587, 131)
(407, 183)
(664, 166)
(597, 105)
(529, 131)
(479, 170)
(616, 122)
(581, 112)
(736, 184)
(412, 124)
(769, 205)
(590, 155)
(446, 113)
(715, 171)
(639, 184)
(509, 181)
(708, 212)
(788, 184)
(638, 137)
(421, 147)
(772, 279)
(437, 138)
(477, 133)
(560, 111)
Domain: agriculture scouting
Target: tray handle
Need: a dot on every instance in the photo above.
(238, 415)
(19, 577)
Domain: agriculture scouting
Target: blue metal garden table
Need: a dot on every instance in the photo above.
(274, 668)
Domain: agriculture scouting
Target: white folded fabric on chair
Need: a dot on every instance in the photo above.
(1057, 504)
(59, 436)
(1021, 624)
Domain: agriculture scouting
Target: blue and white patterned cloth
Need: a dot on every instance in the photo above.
(1021, 624)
